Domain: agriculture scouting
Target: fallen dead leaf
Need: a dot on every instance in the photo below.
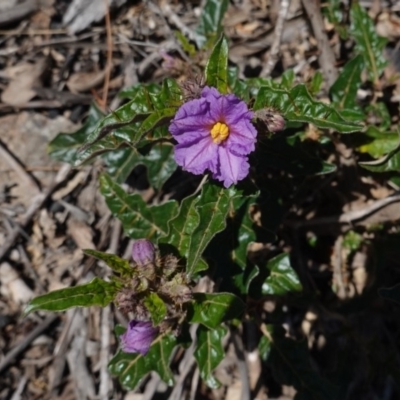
(23, 77)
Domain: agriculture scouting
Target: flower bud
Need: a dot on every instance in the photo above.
(138, 337)
(273, 120)
(143, 252)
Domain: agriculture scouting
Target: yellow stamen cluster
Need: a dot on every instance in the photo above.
(219, 132)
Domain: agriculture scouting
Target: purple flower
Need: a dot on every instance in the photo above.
(138, 337)
(214, 132)
(143, 252)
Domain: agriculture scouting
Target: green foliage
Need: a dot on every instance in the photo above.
(369, 44)
(159, 162)
(209, 353)
(390, 162)
(210, 25)
(95, 293)
(216, 71)
(64, 147)
(199, 219)
(228, 250)
(116, 263)
(352, 240)
(212, 309)
(135, 123)
(344, 90)
(138, 219)
(297, 105)
(282, 278)
(209, 231)
(132, 368)
(382, 142)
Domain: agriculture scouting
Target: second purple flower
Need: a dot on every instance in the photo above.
(214, 133)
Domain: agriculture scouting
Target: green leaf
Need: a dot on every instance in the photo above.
(156, 307)
(315, 85)
(209, 353)
(392, 293)
(228, 249)
(116, 263)
(210, 25)
(282, 278)
(212, 309)
(369, 44)
(297, 105)
(199, 219)
(64, 146)
(264, 348)
(344, 90)
(390, 162)
(95, 293)
(382, 143)
(150, 108)
(291, 365)
(132, 368)
(138, 219)
(159, 162)
(216, 71)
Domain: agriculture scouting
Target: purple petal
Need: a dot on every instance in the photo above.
(198, 156)
(138, 337)
(233, 168)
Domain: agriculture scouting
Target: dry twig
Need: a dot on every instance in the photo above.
(20, 347)
(326, 57)
(275, 48)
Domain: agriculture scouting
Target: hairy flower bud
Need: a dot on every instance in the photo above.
(143, 252)
(138, 337)
(273, 120)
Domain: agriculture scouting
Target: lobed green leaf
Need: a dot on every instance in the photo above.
(209, 353)
(151, 106)
(138, 219)
(297, 105)
(228, 250)
(199, 219)
(382, 142)
(160, 163)
(282, 278)
(95, 293)
(210, 25)
(212, 309)
(132, 368)
(344, 90)
(116, 263)
(369, 44)
(64, 147)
